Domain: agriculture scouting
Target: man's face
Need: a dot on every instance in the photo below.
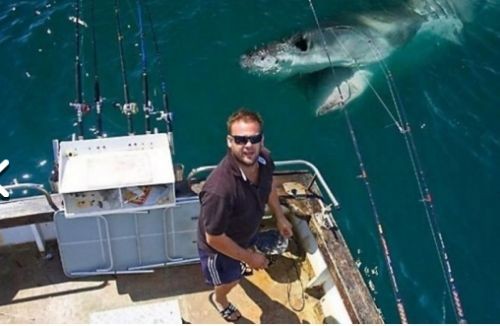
(240, 141)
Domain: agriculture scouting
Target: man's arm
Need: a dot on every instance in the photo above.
(228, 247)
(282, 223)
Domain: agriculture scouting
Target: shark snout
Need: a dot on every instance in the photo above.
(260, 60)
(245, 61)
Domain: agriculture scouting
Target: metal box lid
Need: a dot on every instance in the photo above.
(117, 162)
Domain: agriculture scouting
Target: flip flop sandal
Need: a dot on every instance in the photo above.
(230, 313)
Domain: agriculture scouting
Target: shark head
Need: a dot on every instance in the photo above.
(272, 59)
(316, 50)
(299, 54)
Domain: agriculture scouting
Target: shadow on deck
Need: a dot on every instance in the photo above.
(35, 290)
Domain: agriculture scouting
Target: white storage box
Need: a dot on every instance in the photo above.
(116, 175)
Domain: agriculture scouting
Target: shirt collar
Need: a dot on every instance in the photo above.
(235, 168)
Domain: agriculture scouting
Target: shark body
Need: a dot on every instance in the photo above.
(369, 38)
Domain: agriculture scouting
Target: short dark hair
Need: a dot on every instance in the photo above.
(245, 115)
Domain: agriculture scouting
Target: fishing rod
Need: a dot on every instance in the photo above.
(387, 255)
(431, 215)
(422, 187)
(97, 87)
(165, 114)
(147, 106)
(128, 108)
(78, 104)
(425, 194)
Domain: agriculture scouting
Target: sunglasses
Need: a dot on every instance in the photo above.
(243, 140)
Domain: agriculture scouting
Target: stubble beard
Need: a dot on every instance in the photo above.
(244, 160)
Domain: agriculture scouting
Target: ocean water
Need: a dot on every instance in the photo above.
(449, 90)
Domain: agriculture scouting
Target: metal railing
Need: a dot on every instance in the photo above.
(317, 175)
(37, 187)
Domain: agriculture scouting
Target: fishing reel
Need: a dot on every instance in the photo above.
(148, 108)
(98, 105)
(80, 108)
(128, 108)
(168, 117)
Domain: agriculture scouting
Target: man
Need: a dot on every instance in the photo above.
(232, 205)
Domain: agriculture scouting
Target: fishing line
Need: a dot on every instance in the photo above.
(419, 175)
(387, 74)
(289, 290)
(383, 241)
(387, 256)
(356, 65)
(289, 284)
(443, 307)
(434, 226)
(424, 192)
(431, 216)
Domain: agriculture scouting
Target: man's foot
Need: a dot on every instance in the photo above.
(229, 313)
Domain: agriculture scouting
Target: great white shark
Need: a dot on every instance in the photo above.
(357, 46)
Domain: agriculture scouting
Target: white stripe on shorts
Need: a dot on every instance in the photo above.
(212, 269)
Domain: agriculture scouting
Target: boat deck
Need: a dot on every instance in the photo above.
(35, 290)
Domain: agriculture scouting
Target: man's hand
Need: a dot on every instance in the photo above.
(256, 260)
(222, 243)
(282, 223)
(285, 227)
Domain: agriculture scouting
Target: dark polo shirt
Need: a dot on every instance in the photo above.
(231, 204)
